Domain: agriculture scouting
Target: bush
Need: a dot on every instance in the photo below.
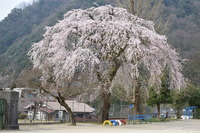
(22, 116)
(196, 114)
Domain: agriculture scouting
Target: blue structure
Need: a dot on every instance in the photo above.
(188, 112)
(114, 122)
(140, 118)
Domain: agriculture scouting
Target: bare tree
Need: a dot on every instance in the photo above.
(35, 106)
(8, 77)
(61, 89)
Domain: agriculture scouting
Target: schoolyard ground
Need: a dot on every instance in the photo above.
(181, 126)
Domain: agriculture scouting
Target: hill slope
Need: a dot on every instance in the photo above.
(22, 27)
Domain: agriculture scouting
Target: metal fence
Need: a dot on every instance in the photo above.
(123, 110)
(119, 111)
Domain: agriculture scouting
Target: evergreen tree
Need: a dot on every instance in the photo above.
(165, 96)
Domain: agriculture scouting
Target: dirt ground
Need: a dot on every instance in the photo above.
(182, 126)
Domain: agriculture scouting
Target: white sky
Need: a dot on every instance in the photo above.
(7, 5)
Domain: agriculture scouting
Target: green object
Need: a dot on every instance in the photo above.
(2, 113)
(22, 116)
(196, 114)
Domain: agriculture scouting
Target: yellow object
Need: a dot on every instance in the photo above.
(107, 122)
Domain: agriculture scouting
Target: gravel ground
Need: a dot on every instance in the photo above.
(182, 126)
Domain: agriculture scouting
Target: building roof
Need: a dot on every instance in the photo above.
(45, 109)
(74, 105)
(23, 102)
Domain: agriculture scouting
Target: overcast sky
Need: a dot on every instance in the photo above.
(7, 5)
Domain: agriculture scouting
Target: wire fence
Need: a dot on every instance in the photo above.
(123, 110)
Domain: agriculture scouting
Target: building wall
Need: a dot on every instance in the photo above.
(60, 115)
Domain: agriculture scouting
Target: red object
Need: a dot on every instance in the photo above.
(123, 121)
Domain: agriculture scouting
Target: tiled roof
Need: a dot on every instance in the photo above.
(23, 102)
(74, 105)
(45, 109)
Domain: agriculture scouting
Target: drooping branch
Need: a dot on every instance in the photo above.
(97, 42)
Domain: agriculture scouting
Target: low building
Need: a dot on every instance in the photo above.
(53, 111)
(23, 102)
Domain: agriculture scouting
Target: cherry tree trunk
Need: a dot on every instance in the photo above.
(158, 108)
(136, 104)
(105, 107)
(34, 111)
(138, 107)
(71, 116)
(137, 101)
(178, 112)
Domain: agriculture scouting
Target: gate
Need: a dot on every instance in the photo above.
(2, 113)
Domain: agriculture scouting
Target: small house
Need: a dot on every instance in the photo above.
(53, 111)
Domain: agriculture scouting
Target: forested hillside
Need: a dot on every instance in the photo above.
(185, 26)
(184, 34)
(24, 26)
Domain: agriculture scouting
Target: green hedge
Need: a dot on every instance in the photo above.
(22, 116)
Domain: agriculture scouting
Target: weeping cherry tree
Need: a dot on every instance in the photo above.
(98, 42)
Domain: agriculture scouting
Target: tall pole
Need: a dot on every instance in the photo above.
(121, 108)
(84, 111)
(60, 114)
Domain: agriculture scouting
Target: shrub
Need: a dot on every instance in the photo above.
(22, 116)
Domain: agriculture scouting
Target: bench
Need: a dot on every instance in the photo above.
(140, 118)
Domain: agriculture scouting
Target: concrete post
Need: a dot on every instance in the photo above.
(11, 97)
